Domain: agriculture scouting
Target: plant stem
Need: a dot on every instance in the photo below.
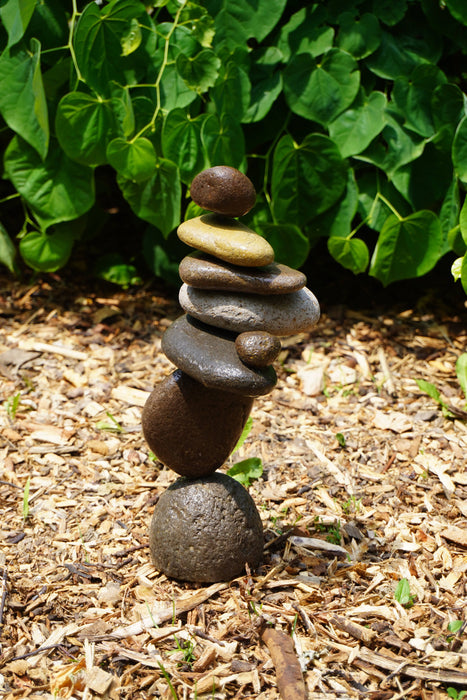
(70, 40)
(389, 205)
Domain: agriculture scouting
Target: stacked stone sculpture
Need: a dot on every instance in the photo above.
(237, 301)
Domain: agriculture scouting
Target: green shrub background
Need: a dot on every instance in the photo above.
(348, 115)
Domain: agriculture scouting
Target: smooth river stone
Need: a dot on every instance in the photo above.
(191, 428)
(209, 355)
(280, 315)
(205, 272)
(257, 348)
(226, 239)
(224, 190)
(205, 530)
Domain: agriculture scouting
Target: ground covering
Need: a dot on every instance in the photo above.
(363, 499)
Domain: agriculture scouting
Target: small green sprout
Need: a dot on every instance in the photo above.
(456, 694)
(403, 595)
(340, 439)
(246, 471)
(113, 427)
(12, 405)
(26, 499)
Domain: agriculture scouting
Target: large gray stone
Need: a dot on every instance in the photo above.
(283, 314)
(205, 272)
(226, 239)
(224, 190)
(205, 530)
(209, 355)
(191, 428)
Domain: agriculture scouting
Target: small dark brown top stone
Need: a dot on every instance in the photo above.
(205, 530)
(208, 355)
(257, 348)
(224, 190)
(205, 271)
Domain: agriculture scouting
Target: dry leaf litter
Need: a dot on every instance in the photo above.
(364, 484)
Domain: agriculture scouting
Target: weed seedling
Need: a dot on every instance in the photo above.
(352, 505)
(173, 692)
(113, 427)
(12, 405)
(403, 595)
(456, 694)
(246, 471)
(26, 499)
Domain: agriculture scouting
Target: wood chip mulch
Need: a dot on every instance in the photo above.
(364, 485)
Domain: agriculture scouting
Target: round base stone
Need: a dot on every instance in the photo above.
(205, 530)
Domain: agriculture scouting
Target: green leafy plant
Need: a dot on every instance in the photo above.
(432, 391)
(26, 499)
(352, 505)
(12, 405)
(456, 694)
(246, 471)
(456, 626)
(113, 427)
(403, 595)
(333, 530)
(349, 116)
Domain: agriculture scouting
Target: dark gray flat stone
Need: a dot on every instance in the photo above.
(206, 272)
(208, 355)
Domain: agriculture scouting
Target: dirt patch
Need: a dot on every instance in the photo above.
(364, 484)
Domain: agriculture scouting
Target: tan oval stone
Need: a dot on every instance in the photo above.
(226, 239)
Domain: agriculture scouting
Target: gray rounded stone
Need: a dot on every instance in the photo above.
(227, 239)
(283, 314)
(191, 428)
(209, 355)
(257, 348)
(205, 530)
(205, 272)
(224, 190)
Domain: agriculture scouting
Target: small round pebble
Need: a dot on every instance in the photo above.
(257, 348)
(205, 530)
(224, 190)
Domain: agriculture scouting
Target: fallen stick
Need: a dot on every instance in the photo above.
(288, 672)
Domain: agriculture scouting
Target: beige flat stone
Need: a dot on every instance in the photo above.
(226, 239)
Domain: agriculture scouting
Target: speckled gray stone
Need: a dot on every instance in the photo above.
(205, 530)
(226, 239)
(224, 190)
(283, 314)
(208, 355)
(257, 348)
(191, 428)
(205, 272)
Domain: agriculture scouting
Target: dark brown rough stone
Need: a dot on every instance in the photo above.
(204, 271)
(208, 355)
(205, 530)
(224, 190)
(191, 428)
(257, 348)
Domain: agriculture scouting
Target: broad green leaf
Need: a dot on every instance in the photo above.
(181, 143)
(22, 98)
(99, 44)
(15, 16)
(461, 371)
(291, 246)
(458, 10)
(245, 432)
(131, 40)
(447, 106)
(351, 253)
(395, 147)
(7, 250)
(355, 129)
(163, 256)
(246, 471)
(449, 215)
(200, 72)
(399, 54)
(463, 221)
(133, 160)
(49, 24)
(407, 247)
(360, 36)
(412, 94)
(373, 209)
(464, 274)
(456, 268)
(247, 19)
(113, 268)
(390, 11)
(57, 189)
(402, 594)
(231, 94)
(307, 178)
(337, 220)
(46, 252)
(199, 22)
(156, 200)
(266, 84)
(320, 92)
(84, 125)
(425, 182)
(223, 141)
(306, 32)
(459, 151)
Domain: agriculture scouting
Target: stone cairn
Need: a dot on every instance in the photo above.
(237, 301)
